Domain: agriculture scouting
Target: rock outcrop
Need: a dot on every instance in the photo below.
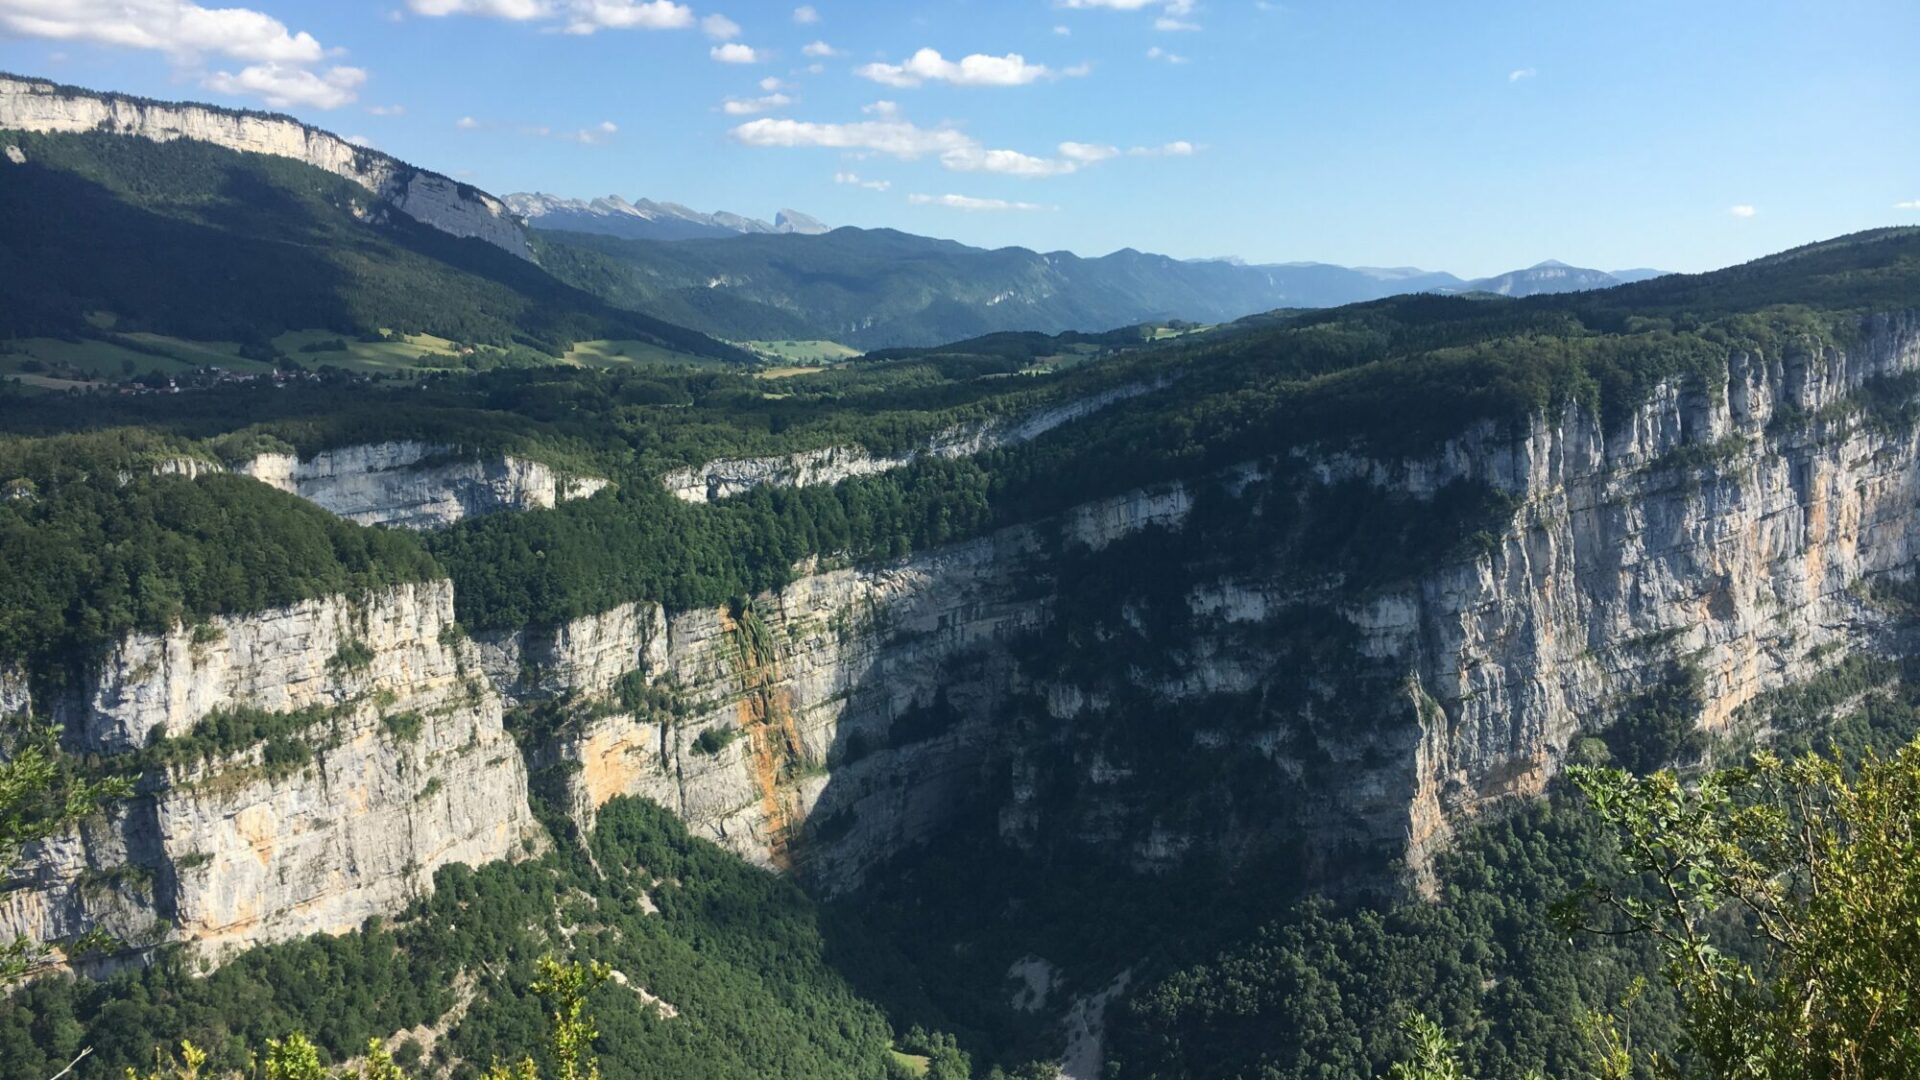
(428, 198)
(384, 759)
(731, 476)
(418, 485)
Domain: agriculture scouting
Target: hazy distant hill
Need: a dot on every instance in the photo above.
(874, 288)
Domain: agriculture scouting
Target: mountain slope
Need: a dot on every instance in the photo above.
(188, 238)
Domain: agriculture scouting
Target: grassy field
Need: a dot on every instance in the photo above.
(401, 355)
(800, 352)
(915, 1063)
(618, 353)
(91, 359)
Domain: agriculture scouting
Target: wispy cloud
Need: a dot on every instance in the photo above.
(977, 69)
(1158, 53)
(1174, 14)
(968, 202)
(750, 106)
(573, 16)
(1910, 204)
(805, 15)
(588, 136)
(720, 28)
(856, 180)
(895, 137)
(1742, 211)
(1521, 74)
(387, 110)
(819, 48)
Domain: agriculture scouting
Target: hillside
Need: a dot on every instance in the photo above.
(191, 240)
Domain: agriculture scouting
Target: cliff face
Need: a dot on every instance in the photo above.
(385, 760)
(417, 485)
(1223, 701)
(731, 476)
(426, 197)
(1731, 527)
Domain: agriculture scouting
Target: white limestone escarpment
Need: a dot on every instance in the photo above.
(726, 477)
(796, 733)
(833, 722)
(407, 769)
(1731, 525)
(417, 485)
(428, 198)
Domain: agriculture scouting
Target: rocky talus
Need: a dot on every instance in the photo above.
(428, 198)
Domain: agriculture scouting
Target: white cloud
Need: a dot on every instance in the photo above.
(772, 83)
(1158, 53)
(968, 202)
(282, 85)
(592, 136)
(855, 180)
(1519, 74)
(1742, 211)
(578, 16)
(1168, 22)
(977, 69)
(1176, 148)
(278, 59)
(1063, 31)
(361, 141)
(894, 137)
(819, 48)
(467, 123)
(1111, 5)
(1005, 162)
(1910, 204)
(518, 10)
(1087, 153)
(750, 106)
(720, 28)
(387, 110)
(587, 16)
(734, 53)
(805, 15)
(171, 26)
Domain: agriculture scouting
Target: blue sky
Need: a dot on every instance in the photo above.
(1467, 137)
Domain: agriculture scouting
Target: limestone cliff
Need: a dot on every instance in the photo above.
(1730, 526)
(428, 198)
(730, 476)
(1228, 701)
(388, 761)
(417, 485)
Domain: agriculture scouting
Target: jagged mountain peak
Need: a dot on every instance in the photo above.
(650, 219)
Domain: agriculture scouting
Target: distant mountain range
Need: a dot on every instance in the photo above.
(649, 220)
(877, 288)
(1329, 285)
